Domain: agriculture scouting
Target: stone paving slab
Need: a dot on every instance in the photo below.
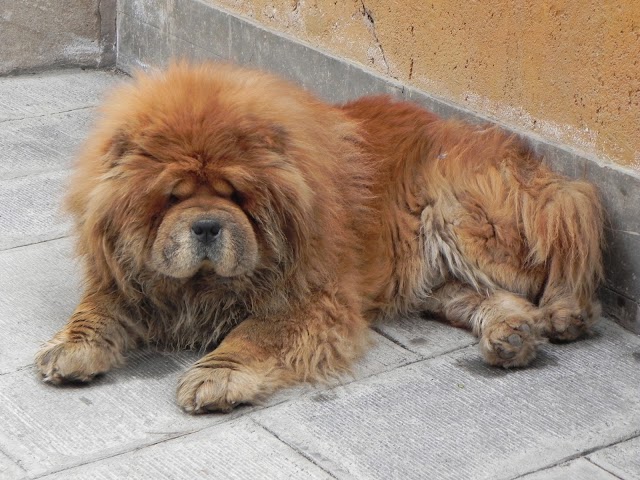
(384, 356)
(8, 469)
(53, 92)
(123, 410)
(36, 144)
(424, 336)
(30, 209)
(44, 118)
(454, 417)
(40, 289)
(580, 469)
(46, 427)
(622, 459)
(236, 450)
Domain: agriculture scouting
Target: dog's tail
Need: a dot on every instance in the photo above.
(563, 225)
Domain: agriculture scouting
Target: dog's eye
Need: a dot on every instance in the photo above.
(237, 198)
(172, 200)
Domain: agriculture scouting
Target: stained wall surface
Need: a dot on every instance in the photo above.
(567, 70)
(46, 34)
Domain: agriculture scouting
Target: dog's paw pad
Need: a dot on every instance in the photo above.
(515, 340)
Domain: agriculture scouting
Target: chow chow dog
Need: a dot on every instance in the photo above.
(226, 209)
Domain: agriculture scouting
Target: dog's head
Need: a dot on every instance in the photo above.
(210, 169)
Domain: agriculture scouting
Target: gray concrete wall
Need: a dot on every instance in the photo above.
(44, 34)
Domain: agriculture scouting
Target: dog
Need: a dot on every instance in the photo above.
(223, 208)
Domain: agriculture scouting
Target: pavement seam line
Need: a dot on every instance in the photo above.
(32, 173)
(631, 437)
(2, 250)
(291, 447)
(17, 462)
(18, 369)
(453, 350)
(622, 294)
(35, 173)
(422, 356)
(17, 119)
(582, 454)
(381, 332)
(98, 458)
(602, 468)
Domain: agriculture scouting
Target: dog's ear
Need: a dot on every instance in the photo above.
(102, 152)
(270, 136)
(274, 137)
(91, 199)
(120, 144)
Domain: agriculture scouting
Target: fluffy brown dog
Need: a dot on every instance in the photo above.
(222, 207)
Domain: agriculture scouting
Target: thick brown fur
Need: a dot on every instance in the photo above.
(317, 221)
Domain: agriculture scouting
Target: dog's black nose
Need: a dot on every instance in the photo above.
(206, 230)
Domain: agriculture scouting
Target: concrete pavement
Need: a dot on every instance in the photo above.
(420, 405)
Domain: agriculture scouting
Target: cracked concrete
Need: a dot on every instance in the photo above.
(371, 25)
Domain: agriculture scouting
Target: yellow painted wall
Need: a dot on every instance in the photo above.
(568, 70)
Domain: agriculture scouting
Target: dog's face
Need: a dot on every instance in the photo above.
(197, 175)
(204, 227)
(224, 208)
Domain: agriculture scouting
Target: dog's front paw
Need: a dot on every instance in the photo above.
(66, 361)
(566, 321)
(213, 388)
(510, 343)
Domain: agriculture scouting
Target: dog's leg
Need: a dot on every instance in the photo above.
(92, 342)
(563, 225)
(567, 317)
(263, 354)
(508, 325)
